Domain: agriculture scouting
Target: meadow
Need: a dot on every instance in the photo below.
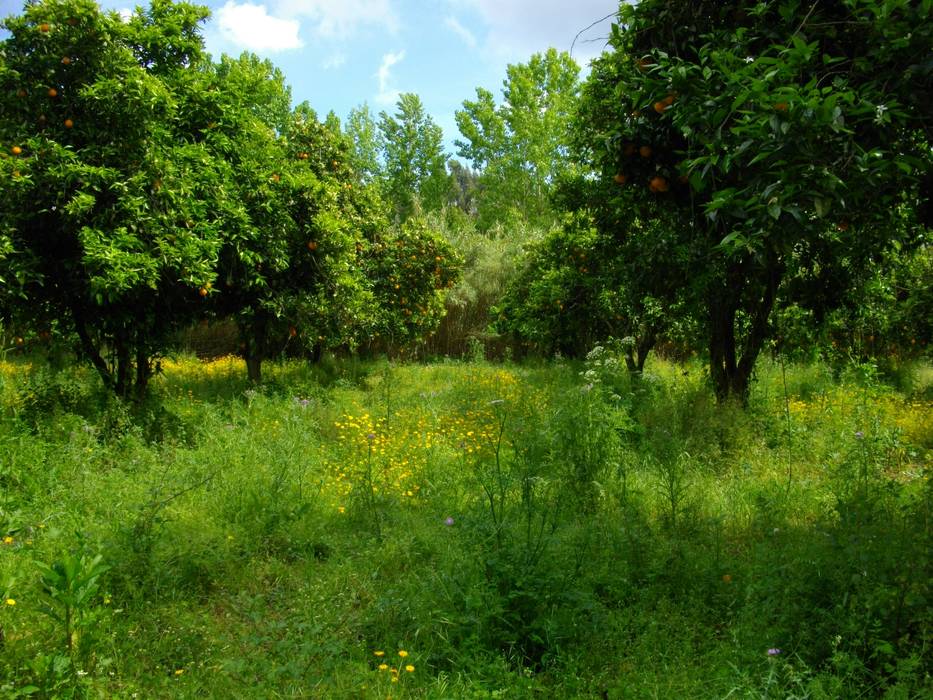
(359, 529)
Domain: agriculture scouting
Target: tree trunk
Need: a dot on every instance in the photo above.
(730, 374)
(91, 352)
(254, 336)
(124, 367)
(143, 371)
(637, 354)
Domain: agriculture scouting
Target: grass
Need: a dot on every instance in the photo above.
(518, 531)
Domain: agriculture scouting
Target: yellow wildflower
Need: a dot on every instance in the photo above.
(179, 671)
(10, 601)
(410, 668)
(7, 540)
(383, 667)
(379, 653)
(402, 653)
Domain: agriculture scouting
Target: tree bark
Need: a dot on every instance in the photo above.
(91, 352)
(731, 375)
(635, 356)
(254, 336)
(143, 371)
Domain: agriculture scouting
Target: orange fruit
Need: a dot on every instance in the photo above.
(16, 150)
(333, 164)
(620, 178)
(19, 341)
(21, 93)
(203, 291)
(66, 60)
(69, 123)
(659, 107)
(645, 151)
(292, 331)
(53, 92)
(669, 100)
(658, 184)
(781, 106)
(44, 27)
(843, 225)
(312, 245)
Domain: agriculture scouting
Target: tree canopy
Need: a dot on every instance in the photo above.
(783, 138)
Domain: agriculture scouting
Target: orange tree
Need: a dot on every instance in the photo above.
(286, 267)
(411, 268)
(110, 216)
(577, 288)
(778, 136)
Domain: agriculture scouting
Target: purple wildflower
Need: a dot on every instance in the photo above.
(859, 434)
(774, 651)
(448, 521)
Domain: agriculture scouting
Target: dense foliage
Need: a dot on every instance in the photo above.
(786, 143)
(514, 531)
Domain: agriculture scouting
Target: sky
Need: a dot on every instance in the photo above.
(338, 54)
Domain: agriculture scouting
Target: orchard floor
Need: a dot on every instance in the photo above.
(465, 530)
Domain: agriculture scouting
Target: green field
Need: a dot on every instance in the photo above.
(550, 530)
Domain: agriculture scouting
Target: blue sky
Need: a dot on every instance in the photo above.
(338, 54)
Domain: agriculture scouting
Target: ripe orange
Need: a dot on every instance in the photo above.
(53, 92)
(69, 123)
(44, 27)
(669, 100)
(66, 60)
(292, 331)
(659, 107)
(21, 93)
(16, 150)
(312, 245)
(781, 106)
(658, 184)
(843, 225)
(620, 178)
(203, 291)
(645, 151)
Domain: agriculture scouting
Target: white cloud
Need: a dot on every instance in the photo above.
(252, 27)
(334, 61)
(341, 18)
(387, 95)
(454, 25)
(518, 28)
(126, 14)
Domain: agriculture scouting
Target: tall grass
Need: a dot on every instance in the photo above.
(517, 531)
